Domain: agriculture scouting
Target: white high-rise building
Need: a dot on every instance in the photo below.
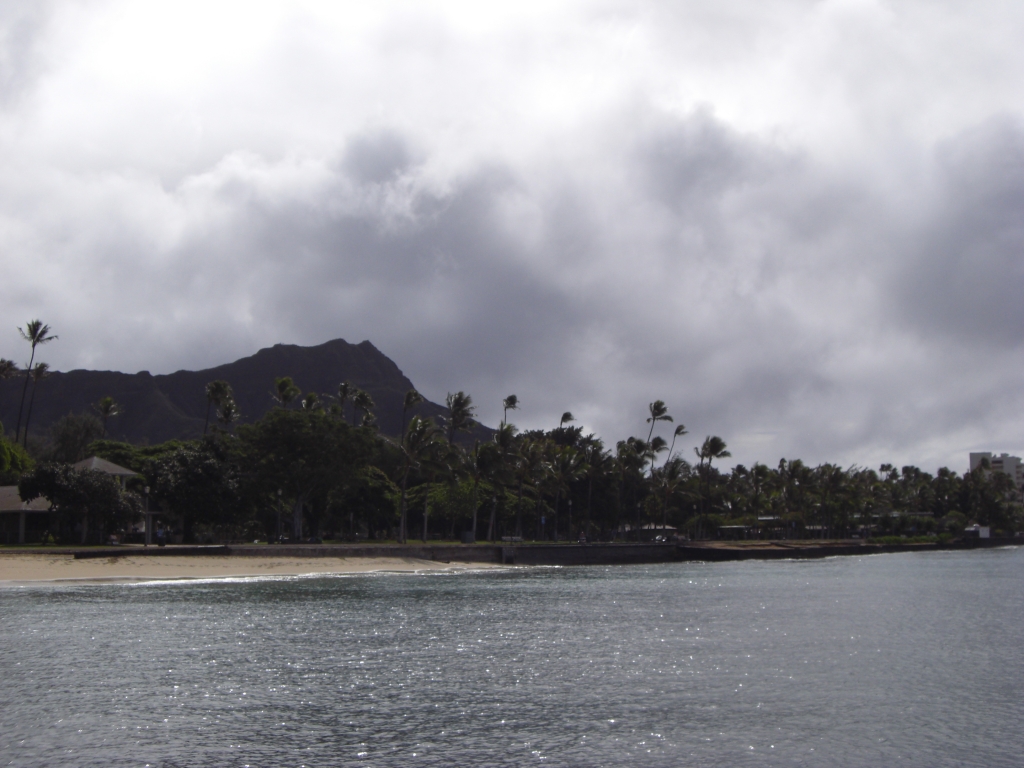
(1004, 462)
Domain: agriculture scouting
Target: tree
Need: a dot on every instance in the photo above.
(658, 412)
(39, 372)
(679, 431)
(8, 369)
(196, 483)
(14, 460)
(566, 418)
(411, 400)
(106, 408)
(460, 414)
(713, 448)
(285, 391)
(217, 392)
(311, 402)
(35, 333)
(565, 467)
(362, 401)
(345, 391)
(510, 403)
(417, 444)
(88, 495)
(228, 413)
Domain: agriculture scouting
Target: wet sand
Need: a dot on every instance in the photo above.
(26, 569)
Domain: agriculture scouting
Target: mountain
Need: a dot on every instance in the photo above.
(159, 408)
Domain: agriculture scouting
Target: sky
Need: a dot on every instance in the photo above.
(800, 224)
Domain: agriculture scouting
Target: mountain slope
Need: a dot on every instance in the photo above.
(159, 408)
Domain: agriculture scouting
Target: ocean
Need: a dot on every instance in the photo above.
(909, 659)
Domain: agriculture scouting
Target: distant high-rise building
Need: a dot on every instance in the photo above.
(1011, 465)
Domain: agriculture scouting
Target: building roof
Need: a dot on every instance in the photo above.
(10, 501)
(102, 465)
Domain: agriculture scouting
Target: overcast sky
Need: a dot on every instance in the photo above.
(800, 224)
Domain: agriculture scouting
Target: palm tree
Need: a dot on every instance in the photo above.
(566, 418)
(566, 467)
(228, 412)
(216, 393)
(362, 401)
(713, 448)
(597, 462)
(510, 403)
(8, 369)
(311, 402)
(659, 412)
(668, 479)
(630, 455)
(680, 430)
(345, 391)
(502, 469)
(35, 333)
(106, 408)
(528, 467)
(460, 414)
(411, 400)
(39, 372)
(417, 443)
(285, 391)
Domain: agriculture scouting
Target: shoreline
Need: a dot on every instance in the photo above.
(39, 568)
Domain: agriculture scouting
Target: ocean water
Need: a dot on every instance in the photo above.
(910, 659)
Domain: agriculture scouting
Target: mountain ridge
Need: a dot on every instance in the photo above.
(161, 407)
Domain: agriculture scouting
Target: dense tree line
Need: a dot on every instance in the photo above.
(316, 467)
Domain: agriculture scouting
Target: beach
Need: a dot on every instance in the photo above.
(23, 569)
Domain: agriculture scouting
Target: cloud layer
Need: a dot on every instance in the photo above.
(800, 226)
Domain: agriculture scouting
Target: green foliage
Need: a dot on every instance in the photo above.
(74, 494)
(14, 461)
(370, 498)
(196, 483)
(71, 436)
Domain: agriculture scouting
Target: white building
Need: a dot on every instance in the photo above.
(1011, 465)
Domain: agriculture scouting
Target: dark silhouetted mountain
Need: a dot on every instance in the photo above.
(159, 408)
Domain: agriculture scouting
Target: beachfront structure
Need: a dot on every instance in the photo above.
(1010, 465)
(22, 521)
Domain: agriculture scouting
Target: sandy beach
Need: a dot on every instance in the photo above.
(34, 568)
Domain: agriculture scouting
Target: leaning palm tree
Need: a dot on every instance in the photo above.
(460, 414)
(39, 372)
(680, 430)
(106, 408)
(659, 412)
(285, 391)
(35, 333)
(566, 418)
(411, 400)
(217, 392)
(510, 403)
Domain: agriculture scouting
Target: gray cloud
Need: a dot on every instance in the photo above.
(788, 275)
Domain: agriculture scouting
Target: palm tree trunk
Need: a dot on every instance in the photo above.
(519, 511)
(554, 521)
(28, 416)
(426, 508)
(474, 502)
(24, 391)
(590, 494)
(402, 519)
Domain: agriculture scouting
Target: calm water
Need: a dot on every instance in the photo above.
(893, 659)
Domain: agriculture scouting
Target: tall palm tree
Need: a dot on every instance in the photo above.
(411, 400)
(713, 448)
(567, 417)
(510, 403)
(216, 393)
(460, 414)
(35, 333)
(228, 412)
(631, 456)
(39, 372)
(597, 463)
(679, 431)
(659, 412)
(502, 469)
(362, 401)
(285, 391)
(106, 408)
(345, 391)
(668, 480)
(566, 467)
(528, 468)
(417, 443)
